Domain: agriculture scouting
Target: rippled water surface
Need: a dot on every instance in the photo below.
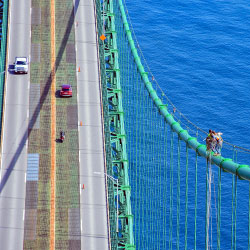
(199, 52)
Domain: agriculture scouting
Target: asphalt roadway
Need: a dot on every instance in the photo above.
(15, 131)
(94, 215)
(94, 227)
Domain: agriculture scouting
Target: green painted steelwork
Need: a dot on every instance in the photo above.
(115, 136)
(4, 30)
(242, 171)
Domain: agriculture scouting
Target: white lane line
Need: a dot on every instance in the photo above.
(25, 177)
(23, 214)
(28, 114)
(81, 225)
(80, 189)
(28, 84)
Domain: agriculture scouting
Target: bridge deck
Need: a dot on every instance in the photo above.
(24, 203)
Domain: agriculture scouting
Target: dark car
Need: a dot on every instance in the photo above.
(66, 90)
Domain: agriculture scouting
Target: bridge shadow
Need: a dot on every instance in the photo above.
(42, 98)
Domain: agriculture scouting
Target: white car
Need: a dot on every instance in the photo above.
(21, 65)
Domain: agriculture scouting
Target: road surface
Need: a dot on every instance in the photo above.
(93, 197)
(15, 128)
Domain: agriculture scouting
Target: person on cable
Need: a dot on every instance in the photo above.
(210, 140)
(218, 144)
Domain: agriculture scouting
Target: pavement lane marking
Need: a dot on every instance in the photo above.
(53, 129)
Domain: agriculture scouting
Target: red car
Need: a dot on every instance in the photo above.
(66, 90)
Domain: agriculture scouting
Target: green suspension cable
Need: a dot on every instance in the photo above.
(186, 198)
(178, 194)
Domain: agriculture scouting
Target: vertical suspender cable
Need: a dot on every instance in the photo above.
(143, 164)
(186, 198)
(136, 164)
(165, 185)
(149, 156)
(208, 201)
(178, 194)
(159, 182)
(206, 221)
(147, 171)
(140, 165)
(152, 152)
(195, 213)
(232, 216)
(156, 177)
(235, 204)
(219, 209)
(249, 216)
(171, 190)
(235, 209)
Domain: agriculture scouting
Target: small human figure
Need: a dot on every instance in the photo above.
(218, 145)
(62, 135)
(210, 140)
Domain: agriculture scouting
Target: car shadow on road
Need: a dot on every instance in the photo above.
(57, 94)
(11, 69)
(59, 140)
(43, 97)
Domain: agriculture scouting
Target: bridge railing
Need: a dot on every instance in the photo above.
(4, 7)
(121, 227)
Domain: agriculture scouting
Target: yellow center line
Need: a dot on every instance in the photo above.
(53, 129)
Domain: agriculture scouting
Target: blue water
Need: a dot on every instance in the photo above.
(199, 52)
